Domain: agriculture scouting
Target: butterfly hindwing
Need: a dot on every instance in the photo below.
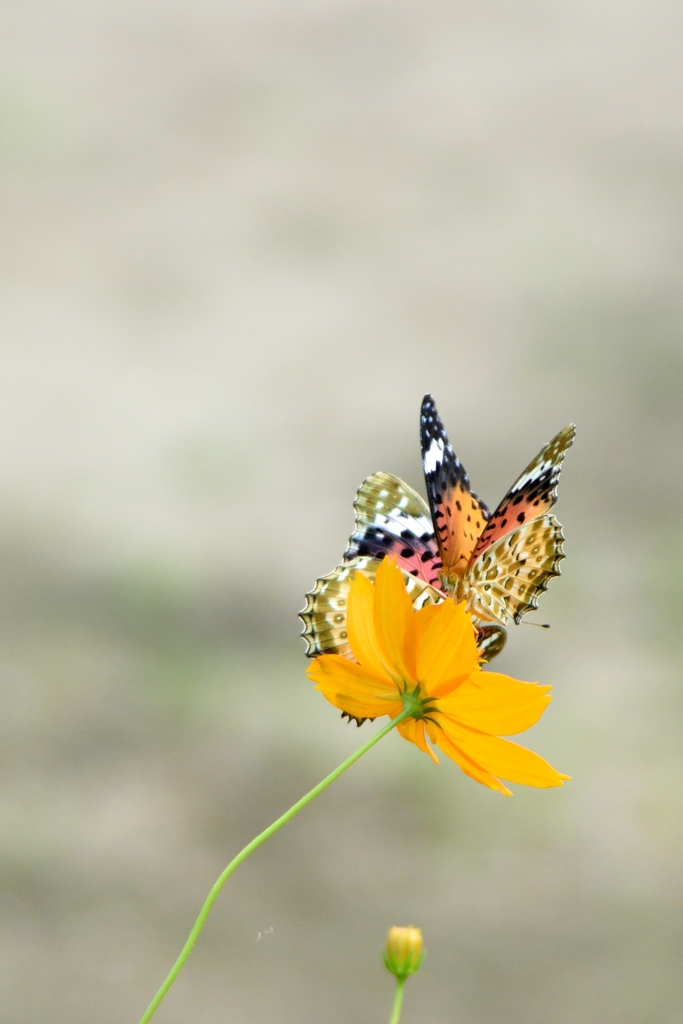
(392, 519)
(324, 616)
(459, 516)
(506, 580)
(532, 494)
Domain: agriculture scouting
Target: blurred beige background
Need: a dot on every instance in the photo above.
(240, 241)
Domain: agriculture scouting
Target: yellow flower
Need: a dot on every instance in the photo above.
(427, 662)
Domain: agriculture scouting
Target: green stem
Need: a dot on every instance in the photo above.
(211, 898)
(398, 1001)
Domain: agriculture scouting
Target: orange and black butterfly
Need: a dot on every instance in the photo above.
(497, 563)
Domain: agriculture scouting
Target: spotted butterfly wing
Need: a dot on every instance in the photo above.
(532, 494)
(458, 515)
(508, 577)
(392, 519)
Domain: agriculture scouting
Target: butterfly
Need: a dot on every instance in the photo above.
(453, 547)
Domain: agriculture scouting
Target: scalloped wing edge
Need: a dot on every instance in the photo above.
(488, 592)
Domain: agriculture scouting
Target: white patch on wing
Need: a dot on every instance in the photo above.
(396, 526)
(531, 475)
(434, 455)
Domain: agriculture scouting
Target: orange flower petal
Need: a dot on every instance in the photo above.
(360, 625)
(415, 732)
(352, 688)
(423, 618)
(394, 621)
(497, 704)
(468, 765)
(500, 757)
(447, 647)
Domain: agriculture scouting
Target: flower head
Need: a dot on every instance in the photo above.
(403, 953)
(427, 662)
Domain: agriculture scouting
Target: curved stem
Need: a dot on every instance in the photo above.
(398, 1001)
(282, 820)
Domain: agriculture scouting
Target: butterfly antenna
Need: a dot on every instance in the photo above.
(541, 625)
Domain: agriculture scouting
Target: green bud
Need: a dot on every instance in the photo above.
(403, 953)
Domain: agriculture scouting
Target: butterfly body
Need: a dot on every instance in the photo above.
(451, 548)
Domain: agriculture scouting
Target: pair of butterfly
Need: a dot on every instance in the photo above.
(498, 564)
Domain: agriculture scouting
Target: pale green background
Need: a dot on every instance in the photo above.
(241, 238)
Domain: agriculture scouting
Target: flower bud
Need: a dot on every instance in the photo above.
(403, 953)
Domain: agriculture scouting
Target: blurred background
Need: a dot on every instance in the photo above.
(240, 241)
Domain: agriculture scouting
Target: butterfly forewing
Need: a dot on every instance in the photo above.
(508, 577)
(459, 516)
(392, 519)
(532, 494)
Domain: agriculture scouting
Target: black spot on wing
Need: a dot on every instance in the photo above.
(482, 507)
